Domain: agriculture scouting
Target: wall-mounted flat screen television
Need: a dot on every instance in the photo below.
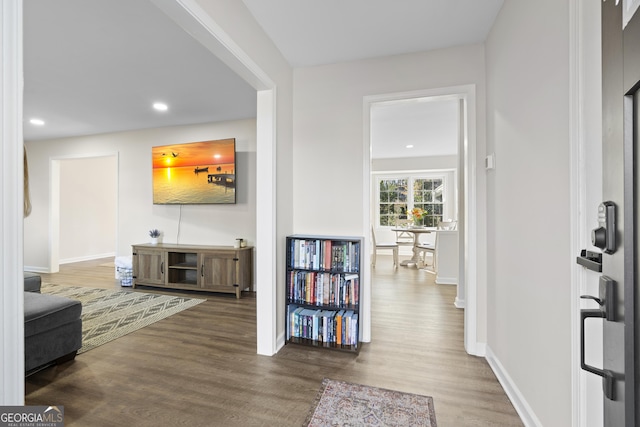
(195, 173)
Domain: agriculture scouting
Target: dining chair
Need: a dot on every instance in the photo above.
(383, 246)
(447, 225)
(404, 237)
(427, 248)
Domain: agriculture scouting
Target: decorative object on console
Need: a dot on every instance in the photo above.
(154, 234)
(195, 173)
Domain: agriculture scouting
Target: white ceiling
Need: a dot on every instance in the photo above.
(96, 66)
(322, 32)
(428, 125)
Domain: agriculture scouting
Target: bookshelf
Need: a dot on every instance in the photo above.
(323, 291)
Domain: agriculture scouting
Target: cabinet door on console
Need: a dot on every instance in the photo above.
(218, 271)
(148, 266)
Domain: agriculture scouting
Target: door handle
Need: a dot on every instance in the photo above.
(607, 376)
(596, 299)
(606, 312)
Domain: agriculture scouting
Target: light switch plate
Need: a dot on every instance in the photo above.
(490, 161)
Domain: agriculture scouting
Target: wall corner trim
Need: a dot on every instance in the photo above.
(521, 405)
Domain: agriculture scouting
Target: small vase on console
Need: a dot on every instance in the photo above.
(155, 235)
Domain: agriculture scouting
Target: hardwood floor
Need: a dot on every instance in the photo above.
(200, 368)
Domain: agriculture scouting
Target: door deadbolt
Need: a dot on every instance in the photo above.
(604, 237)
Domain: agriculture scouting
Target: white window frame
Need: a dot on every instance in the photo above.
(410, 177)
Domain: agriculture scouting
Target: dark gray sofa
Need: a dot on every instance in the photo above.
(32, 282)
(52, 326)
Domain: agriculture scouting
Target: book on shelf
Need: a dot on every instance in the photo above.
(338, 316)
(354, 328)
(326, 256)
(324, 326)
(318, 254)
(321, 288)
(348, 326)
(350, 289)
(325, 315)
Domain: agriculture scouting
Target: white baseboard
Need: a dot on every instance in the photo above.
(280, 342)
(476, 349)
(33, 269)
(446, 280)
(521, 405)
(459, 303)
(87, 258)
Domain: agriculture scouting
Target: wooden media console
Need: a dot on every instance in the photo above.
(190, 267)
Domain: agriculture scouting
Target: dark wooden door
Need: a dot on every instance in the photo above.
(620, 81)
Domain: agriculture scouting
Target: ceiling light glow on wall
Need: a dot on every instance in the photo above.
(37, 122)
(160, 106)
(409, 146)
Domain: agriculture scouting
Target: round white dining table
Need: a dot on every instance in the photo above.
(417, 232)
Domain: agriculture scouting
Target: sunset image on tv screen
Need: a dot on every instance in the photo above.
(195, 173)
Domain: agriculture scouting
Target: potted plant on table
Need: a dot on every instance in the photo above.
(417, 214)
(154, 234)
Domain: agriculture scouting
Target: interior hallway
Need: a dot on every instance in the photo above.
(200, 367)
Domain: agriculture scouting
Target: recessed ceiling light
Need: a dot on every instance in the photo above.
(410, 146)
(37, 122)
(160, 106)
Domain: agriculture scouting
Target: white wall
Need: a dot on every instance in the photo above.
(198, 224)
(529, 272)
(415, 163)
(88, 208)
(328, 126)
(328, 156)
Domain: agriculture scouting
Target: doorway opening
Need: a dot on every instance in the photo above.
(466, 189)
(90, 232)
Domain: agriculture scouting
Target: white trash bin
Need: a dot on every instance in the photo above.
(124, 270)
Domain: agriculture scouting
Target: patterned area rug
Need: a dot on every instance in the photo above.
(108, 314)
(345, 404)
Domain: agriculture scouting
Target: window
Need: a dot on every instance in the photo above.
(427, 195)
(399, 194)
(393, 200)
